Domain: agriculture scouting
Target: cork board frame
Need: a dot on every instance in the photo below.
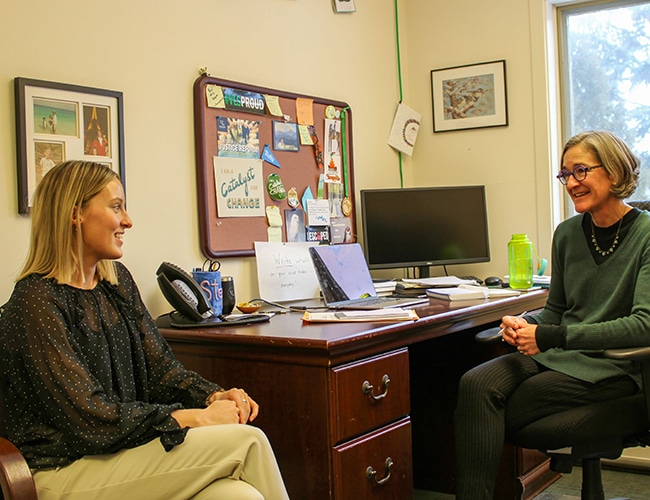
(235, 236)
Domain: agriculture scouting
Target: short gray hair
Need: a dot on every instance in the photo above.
(614, 155)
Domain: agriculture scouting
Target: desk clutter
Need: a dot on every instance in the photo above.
(334, 279)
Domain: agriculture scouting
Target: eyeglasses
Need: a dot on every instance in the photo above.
(579, 173)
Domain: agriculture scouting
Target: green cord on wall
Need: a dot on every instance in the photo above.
(399, 78)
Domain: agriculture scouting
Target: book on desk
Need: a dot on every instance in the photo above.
(382, 315)
(470, 292)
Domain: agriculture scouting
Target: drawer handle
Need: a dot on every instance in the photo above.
(371, 474)
(368, 388)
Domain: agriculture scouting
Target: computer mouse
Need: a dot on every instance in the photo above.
(493, 281)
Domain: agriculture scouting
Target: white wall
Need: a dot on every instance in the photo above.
(152, 51)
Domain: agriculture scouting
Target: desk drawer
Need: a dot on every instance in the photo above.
(370, 393)
(376, 465)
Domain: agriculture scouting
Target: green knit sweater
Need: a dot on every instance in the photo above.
(602, 306)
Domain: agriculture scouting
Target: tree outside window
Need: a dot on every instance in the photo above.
(607, 74)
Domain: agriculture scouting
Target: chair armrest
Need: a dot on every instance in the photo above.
(628, 353)
(489, 335)
(15, 476)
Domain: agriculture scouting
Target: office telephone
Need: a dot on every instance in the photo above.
(182, 292)
(191, 304)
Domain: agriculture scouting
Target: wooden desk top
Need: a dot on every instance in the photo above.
(286, 337)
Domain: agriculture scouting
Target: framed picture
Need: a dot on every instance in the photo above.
(56, 122)
(286, 136)
(466, 97)
(343, 6)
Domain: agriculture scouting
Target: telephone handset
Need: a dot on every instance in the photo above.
(191, 304)
(183, 293)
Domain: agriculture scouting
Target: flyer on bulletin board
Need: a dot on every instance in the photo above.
(239, 187)
(238, 138)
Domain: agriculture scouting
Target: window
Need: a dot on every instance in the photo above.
(606, 74)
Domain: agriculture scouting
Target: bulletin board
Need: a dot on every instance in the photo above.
(217, 109)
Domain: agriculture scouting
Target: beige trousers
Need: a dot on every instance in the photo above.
(214, 462)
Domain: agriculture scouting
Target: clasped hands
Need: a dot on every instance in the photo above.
(233, 406)
(519, 333)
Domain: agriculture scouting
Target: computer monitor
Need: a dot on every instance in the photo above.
(423, 227)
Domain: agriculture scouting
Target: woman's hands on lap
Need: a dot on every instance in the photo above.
(519, 333)
(233, 406)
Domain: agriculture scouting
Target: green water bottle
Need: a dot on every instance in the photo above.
(520, 261)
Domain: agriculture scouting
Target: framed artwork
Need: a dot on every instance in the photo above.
(343, 6)
(466, 97)
(56, 122)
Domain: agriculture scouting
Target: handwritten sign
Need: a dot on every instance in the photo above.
(318, 212)
(285, 271)
(214, 96)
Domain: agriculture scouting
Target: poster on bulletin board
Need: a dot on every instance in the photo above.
(260, 153)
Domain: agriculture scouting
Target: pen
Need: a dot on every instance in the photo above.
(518, 317)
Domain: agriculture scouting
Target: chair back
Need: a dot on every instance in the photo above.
(642, 205)
(3, 390)
(3, 387)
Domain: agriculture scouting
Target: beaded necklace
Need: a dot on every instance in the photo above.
(611, 249)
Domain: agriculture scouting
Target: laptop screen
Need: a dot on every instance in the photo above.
(342, 272)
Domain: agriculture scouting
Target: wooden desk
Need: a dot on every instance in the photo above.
(347, 405)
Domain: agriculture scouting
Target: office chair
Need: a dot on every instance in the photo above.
(591, 432)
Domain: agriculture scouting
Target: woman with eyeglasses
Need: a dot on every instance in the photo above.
(599, 298)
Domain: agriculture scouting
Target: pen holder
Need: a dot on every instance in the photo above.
(210, 283)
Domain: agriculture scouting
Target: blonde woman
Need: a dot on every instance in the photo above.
(94, 398)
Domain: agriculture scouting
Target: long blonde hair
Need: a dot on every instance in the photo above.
(56, 246)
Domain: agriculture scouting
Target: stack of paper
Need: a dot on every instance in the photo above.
(384, 315)
(385, 287)
(440, 281)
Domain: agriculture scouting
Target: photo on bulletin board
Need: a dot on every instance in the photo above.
(295, 224)
(286, 136)
(58, 121)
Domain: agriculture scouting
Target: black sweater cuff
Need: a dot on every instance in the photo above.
(549, 336)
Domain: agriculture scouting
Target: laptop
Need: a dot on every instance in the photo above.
(345, 280)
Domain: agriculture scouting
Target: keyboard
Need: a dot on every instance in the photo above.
(478, 280)
(378, 302)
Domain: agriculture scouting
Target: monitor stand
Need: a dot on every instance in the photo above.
(423, 271)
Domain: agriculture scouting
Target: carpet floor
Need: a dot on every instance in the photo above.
(617, 485)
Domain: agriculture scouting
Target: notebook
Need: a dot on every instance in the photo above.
(345, 280)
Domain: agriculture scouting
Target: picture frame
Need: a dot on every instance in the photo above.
(56, 122)
(469, 97)
(286, 136)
